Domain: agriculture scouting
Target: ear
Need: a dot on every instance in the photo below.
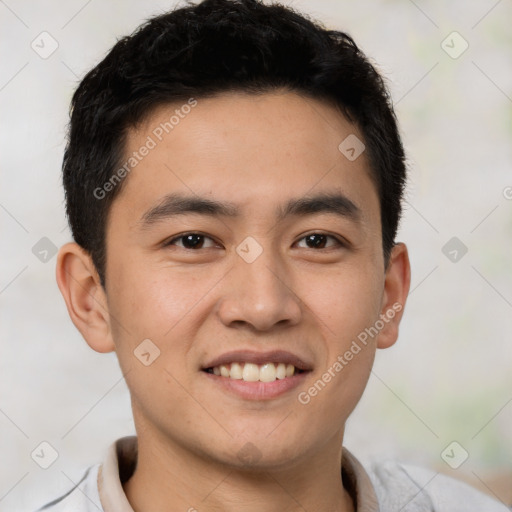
(396, 288)
(85, 298)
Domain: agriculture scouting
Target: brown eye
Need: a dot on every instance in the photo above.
(190, 241)
(319, 241)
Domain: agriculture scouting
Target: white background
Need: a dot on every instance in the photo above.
(449, 376)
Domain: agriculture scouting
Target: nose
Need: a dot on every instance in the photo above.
(259, 294)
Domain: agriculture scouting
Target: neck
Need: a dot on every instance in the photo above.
(172, 479)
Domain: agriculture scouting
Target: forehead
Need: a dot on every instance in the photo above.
(252, 150)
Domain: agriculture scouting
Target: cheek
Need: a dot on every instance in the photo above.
(343, 311)
(162, 310)
(153, 302)
(346, 302)
(166, 306)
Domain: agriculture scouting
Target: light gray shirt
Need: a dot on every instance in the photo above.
(384, 487)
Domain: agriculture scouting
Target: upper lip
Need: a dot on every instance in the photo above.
(250, 356)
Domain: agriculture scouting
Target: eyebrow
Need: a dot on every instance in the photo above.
(175, 204)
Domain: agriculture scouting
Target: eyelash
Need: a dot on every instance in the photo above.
(339, 243)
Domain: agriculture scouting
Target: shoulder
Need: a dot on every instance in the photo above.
(410, 488)
(82, 497)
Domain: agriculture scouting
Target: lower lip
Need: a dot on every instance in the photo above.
(257, 390)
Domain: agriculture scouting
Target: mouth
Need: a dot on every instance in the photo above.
(254, 375)
(251, 372)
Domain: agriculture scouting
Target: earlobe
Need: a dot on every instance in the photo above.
(396, 289)
(85, 298)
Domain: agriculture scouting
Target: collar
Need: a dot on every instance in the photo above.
(121, 460)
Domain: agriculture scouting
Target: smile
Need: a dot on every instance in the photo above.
(251, 372)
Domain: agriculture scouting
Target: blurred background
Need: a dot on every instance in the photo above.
(441, 397)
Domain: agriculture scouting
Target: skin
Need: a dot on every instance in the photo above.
(196, 304)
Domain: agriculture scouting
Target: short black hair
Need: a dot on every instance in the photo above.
(202, 50)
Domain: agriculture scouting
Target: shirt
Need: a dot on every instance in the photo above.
(386, 487)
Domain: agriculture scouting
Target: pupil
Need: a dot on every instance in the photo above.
(320, 240)
(193, 240)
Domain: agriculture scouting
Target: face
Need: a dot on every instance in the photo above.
(262, 274)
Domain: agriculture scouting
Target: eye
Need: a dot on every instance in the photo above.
(318, 241)
(190, 241)
(195, 241)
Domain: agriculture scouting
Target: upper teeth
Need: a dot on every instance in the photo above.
(251, 372)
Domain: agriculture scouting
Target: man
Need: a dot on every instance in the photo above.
(233, 179)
